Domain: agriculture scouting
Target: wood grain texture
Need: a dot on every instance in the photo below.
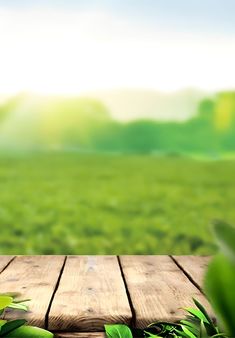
(35, 277)
(4, 260)
(91, 293)
(158, 288)
(81, 335)
(194, 266)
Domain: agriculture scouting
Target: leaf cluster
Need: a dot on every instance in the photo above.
(220, 277)
(18, 328)
(219, 288)
(197, 324)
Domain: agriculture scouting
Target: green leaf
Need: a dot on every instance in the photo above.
(18, 306)
(198, 314)
(181, 334)
(203, 310)
(10, 326)
(219, 335)
(5, 301)
(219, 287)
(118, 331)
(157, 324)
(21, 301)
(2, 322)
(225, 237)
(162, 329)
(210, 327)
(187, 332)
(203, 331)
(150, 335)
(29, 332)
(191, 326)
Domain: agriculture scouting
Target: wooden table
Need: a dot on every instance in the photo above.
(75, 295)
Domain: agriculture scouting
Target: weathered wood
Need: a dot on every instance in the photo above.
(194, 267)
(158, 288)
(91, 293)
(4, 260)
(81, 335)
(34, 277)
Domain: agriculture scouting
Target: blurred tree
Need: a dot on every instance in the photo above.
(206, 110)
(224, 110)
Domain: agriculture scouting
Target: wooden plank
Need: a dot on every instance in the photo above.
(158, 288)
(81, 335)
(4, 260)
(91, 293)
(35, 277)
(194, 266)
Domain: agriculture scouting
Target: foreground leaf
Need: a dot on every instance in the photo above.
(191, 326)
(10, 326)
(5, 301)
(211, 329)
(21, 300)
(187, 332)
(29, 332)
(18, 306)
(203, 310)
(225, 237)
(203, 331)
(219, 287)
(118, 331)
(198, 314)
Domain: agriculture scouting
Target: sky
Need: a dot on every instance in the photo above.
(75, 47)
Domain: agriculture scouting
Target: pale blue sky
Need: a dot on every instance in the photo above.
(68, 46)
(195, 15)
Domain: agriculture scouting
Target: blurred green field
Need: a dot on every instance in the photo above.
(110, 204)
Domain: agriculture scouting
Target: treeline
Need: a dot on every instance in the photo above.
(211, 131)
(86, 125)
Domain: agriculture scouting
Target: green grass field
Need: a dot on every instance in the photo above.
(102, 204)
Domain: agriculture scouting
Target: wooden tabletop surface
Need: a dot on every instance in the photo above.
(77, 294)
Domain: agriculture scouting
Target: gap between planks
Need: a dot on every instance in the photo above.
(91, 293)
(158, 289)
(54, 292)
(5, 261)
(33, 277)
(139, 275)
(133, 319)
(193, 267)
(41, 276)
